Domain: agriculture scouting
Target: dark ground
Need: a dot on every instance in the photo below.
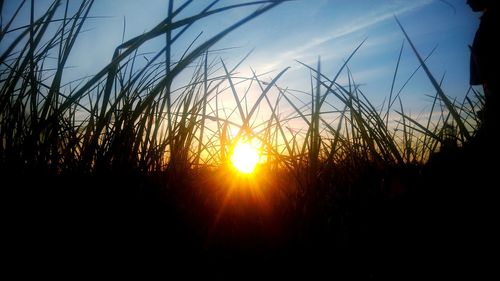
(413, 222)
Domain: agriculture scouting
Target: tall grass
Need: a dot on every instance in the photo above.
(123, 116)
(130, 147)
(128, 116)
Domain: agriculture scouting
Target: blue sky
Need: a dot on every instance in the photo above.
(304, 30)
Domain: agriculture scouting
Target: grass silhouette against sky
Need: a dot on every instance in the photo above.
(133, 157)
(302, 30)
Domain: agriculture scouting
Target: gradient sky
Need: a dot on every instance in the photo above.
(304, 30)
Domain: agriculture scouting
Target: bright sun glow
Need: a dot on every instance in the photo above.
(245, 156)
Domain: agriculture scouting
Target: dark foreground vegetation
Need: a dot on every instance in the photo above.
(120, 174)
(359, 220)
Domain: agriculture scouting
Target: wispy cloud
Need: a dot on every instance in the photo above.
(347, 28)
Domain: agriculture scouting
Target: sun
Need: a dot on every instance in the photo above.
(245, 156)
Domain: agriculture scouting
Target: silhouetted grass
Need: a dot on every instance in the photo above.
(131, 166)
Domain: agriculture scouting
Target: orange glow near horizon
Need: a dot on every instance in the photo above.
(245, 156)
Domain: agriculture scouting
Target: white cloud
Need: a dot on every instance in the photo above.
(385, 12)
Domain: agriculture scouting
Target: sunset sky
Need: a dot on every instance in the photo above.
(304, 31)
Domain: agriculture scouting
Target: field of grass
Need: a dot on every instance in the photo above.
(125, 167)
